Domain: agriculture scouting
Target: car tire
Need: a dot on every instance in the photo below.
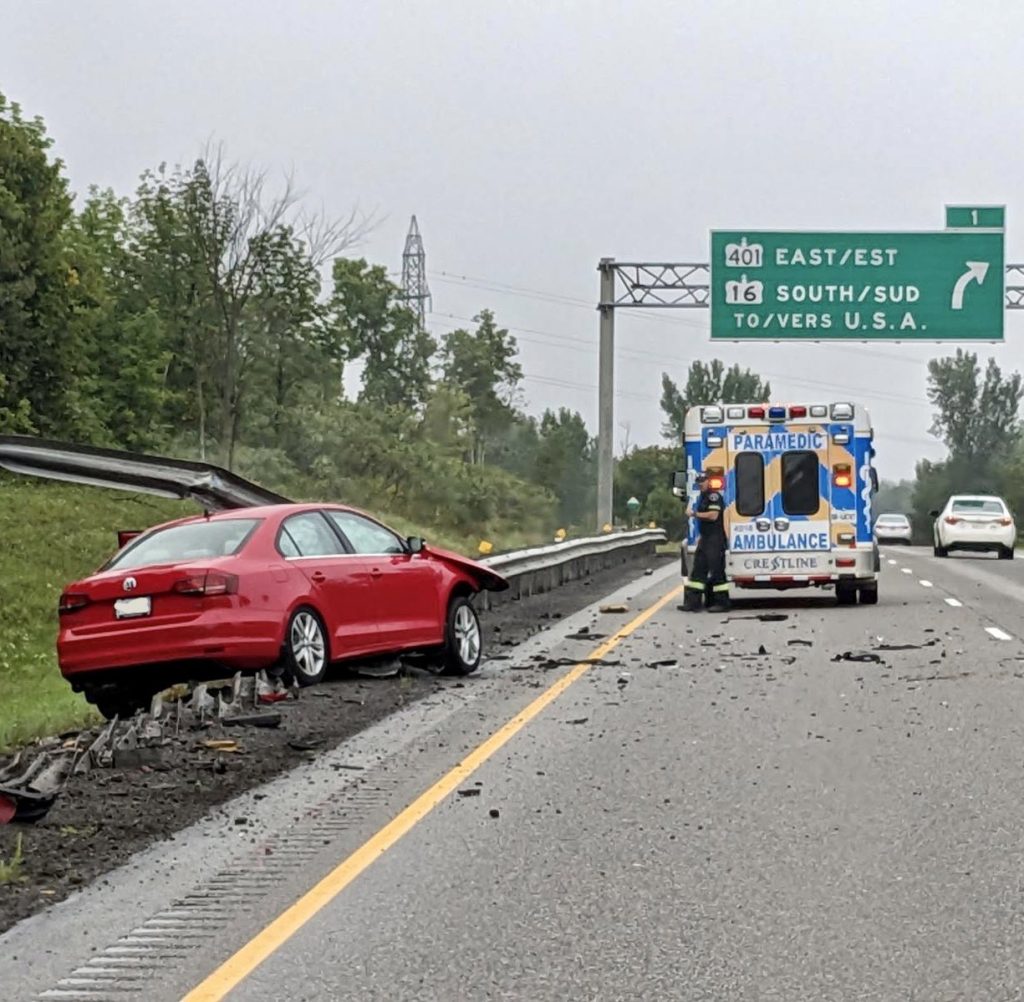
(306, 650)
(868, 594)
(463, 640)
(846, 593)
(939, 550)
(116, 700)
(1006, 553)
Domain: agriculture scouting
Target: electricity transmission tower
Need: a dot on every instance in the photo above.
(415, 290)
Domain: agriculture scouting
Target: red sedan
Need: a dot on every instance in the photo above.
(295, 585)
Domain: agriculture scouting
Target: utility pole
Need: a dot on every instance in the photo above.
(415, 290)
(606, 396)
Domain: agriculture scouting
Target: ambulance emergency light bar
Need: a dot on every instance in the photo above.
(716, 415)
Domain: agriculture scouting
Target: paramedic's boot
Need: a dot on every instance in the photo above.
(719, 599)
(693, 597)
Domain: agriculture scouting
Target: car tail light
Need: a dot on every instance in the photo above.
(71, 602)
(211, 583)
(951, 520)
(1006, 521)
(842, 476)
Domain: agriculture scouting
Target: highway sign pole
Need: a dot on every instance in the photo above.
(606, 397)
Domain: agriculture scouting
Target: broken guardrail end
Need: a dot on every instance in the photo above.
(29, 805)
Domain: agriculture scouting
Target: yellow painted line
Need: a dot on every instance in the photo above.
(238, 967)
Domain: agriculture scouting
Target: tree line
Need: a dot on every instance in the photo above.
(210, 315)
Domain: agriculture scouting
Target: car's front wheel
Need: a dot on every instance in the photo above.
(306, 654)
(463, 640)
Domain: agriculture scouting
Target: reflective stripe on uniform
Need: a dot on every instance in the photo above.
(721, 587)
(696, 585)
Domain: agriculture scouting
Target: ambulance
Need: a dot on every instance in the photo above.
(799, 481)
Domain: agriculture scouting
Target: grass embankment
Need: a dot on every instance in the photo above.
(52, 534)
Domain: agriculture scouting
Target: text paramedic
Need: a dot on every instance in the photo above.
(778, 441)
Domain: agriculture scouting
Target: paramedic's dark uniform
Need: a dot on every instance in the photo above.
(707, 583)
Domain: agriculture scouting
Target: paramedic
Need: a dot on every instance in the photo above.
(706, 583)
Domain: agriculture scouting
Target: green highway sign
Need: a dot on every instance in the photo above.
(971, 217)
(945, 285)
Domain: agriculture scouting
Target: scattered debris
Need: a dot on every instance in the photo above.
(614, 608)
(473, 791)
(797, 642)
(586, 635)
(494, 812)
(664, 663)
(253, 720)
(578, 720)
(866, 657)
(761, 617)
(310, 743)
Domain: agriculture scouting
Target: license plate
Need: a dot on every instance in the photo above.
(129, 608)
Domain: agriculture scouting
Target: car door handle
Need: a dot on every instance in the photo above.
(318, 576)
(376, 572)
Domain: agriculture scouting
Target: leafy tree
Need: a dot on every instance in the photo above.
(709, 383)
(482, 364)
(375, 326)
(37, 356)
(565, 463)
(975, 416)
(646, 473)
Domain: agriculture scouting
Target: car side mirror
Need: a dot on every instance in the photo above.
(934, 514)
(679, 483)
(416, 544)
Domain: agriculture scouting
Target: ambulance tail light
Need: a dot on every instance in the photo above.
(757, 413)
(711, 415)
(842, 475)
(795, 412)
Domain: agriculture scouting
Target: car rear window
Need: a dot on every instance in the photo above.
(801, 494)
(749, 484)
(222, 537)
(979, 507)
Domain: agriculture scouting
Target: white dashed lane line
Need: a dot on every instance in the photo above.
(906, 570)
(994, 631)
(955, 603)
(926, 584)
(892, 563)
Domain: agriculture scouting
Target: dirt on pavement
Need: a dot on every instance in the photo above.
(104, 817)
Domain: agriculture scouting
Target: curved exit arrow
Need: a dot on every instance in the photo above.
(976, 272)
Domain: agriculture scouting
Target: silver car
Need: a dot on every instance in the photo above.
(893, 529)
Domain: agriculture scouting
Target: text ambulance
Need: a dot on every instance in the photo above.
(798, 482)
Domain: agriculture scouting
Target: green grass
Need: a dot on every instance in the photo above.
(52, 534)
(10, 869)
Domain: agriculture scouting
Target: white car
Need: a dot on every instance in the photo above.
(893, 529)
(975, 522)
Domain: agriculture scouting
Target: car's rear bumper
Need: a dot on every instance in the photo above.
(978, 541)
(229, 638)
(899, 536)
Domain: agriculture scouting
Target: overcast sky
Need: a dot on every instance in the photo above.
(533, 138)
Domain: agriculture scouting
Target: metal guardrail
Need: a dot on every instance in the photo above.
(542, 568)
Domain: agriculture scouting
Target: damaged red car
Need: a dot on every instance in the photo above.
(293, 585)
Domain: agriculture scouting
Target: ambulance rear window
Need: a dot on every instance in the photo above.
(800, 491)
(749, 483)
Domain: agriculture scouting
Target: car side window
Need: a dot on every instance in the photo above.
(308, 535)
(366, 536)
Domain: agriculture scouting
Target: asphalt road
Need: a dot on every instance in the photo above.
(758, 820)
